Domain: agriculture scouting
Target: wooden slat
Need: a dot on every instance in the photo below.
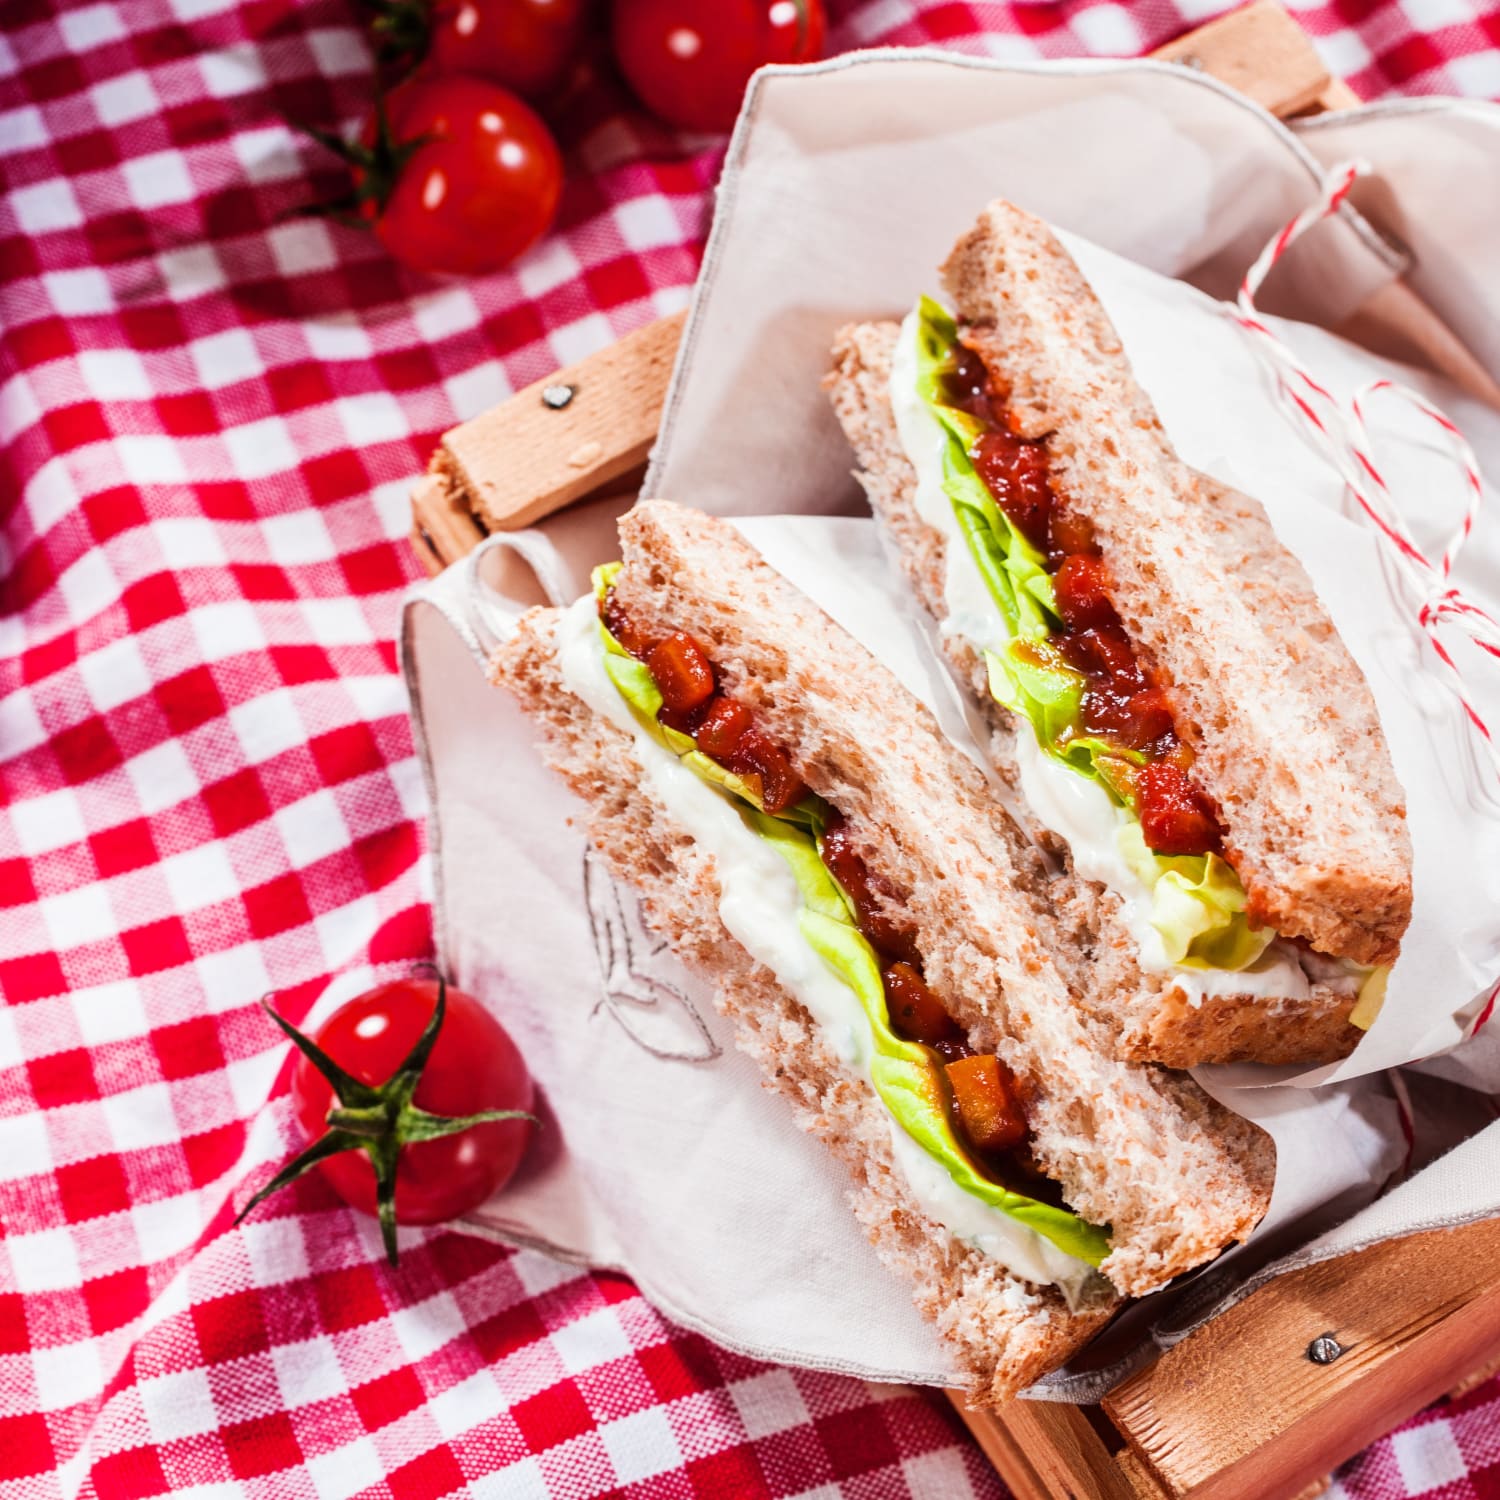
(1238, 1412)
(1007, 1457)
(1066, 1451)
(526, 459)
(443, 527)
(1142, 1485)
(1046, 1451)
(1259, 50)
(1396, 322)
(1476, 1378)
(1338, 95)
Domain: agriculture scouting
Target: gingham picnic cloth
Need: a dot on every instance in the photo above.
(210, 414)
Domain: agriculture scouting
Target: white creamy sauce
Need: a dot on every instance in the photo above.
(1074, 806)
(986, 1229)
(759, 902)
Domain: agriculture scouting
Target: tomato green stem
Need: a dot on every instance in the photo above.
(376, 166)
(376, 1119)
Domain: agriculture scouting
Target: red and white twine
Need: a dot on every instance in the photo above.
(1340, 431)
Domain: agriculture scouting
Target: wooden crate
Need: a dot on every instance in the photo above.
(1238, 1410)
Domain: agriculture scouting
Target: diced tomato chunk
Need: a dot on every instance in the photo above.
(723, 725)
(1140, 720)
(1150, 718)
(683, 723)
(1081, 599)
(682, 671)
(1103, 651)
(622, 627)
(966, 385)
(1014, 470)
(756, 755)
(1176, 817)
(988, 1103)
(914, 1010)
(1071, 533)
(873, 897)
(951, 1048)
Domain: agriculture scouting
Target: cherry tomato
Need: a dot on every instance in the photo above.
(684, 675)
(480, 184)
(526, 45)
(689, 60)
(474, 1066)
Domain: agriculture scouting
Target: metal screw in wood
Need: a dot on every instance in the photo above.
(558, 396)
(1324, 1349)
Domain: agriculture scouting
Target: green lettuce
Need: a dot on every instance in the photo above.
(1371, 998)
(1014, 572)
(1030, 678)
(906, 1075)
(1197, 902)
(1197, 905)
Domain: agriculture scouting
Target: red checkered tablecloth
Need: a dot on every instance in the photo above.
(210, 412)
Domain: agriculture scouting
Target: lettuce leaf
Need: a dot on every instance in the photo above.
(1197, 905)
(906, 1075)
(1371, 997)
(1014, 572)
(1031, 679)
(638, 688)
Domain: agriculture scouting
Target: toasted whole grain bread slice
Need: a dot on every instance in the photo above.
(1279, 716)
(1151, 1014)
(1141, 1149)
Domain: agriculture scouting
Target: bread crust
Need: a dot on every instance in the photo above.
(1153, 1019)
(1006, 1334)
(1288, 745)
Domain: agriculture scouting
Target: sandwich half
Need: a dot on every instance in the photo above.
(1167, 693)
(809, 844)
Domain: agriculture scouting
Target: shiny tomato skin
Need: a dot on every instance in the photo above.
(480, 190)
(526, 45)
(474, 1066)
(724, 724)
(689, 60)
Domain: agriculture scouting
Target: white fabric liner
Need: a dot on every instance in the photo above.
(845, 186)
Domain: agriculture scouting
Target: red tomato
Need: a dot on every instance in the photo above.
(689, 60)
(479, 187)
(474, 1066)
(527, 45)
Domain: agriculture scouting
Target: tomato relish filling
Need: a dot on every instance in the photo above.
(983, 1101)
(1121, 703)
